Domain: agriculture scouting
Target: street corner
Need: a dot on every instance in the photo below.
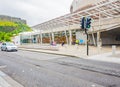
(7, 81)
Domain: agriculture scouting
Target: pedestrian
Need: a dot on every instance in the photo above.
(51, 43)
(77, 42)
(63, 43)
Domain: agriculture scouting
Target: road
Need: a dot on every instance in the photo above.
(32, 69)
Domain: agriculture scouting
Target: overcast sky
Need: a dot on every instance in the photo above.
(35, 11)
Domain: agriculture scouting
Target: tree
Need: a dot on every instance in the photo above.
(9, 29)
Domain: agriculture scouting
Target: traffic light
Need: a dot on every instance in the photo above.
(88, 22)
(83, 23)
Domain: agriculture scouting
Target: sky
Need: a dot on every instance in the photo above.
(35, 11)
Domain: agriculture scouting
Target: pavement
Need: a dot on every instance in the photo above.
(100, 54)
(6, 81)
(104, 53)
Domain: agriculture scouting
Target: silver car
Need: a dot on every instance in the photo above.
(8, 46)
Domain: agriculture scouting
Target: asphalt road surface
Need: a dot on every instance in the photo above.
(32, 69)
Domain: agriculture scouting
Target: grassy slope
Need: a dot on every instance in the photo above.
(7, 29)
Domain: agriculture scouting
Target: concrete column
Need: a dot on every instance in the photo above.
(41, 38)
(70, 37)
(37, 38)
(99, 42)
(20, 39)
(93, 37)
(31, 39)
(53, 39)
(66, 37)
(50, 37)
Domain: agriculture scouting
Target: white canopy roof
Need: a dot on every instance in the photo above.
(106, 9)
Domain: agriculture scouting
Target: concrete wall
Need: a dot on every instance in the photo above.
(110, 36)
(107, 37)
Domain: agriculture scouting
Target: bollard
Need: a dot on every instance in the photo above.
(113, 49)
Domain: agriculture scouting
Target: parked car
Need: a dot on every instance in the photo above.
(8, 46)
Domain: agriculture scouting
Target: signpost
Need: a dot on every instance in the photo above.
(85, 25)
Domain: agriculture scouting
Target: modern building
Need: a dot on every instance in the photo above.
(105, 26)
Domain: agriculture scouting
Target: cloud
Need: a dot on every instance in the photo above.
(33, 11)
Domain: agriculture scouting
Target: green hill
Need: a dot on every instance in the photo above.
(8, 29)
